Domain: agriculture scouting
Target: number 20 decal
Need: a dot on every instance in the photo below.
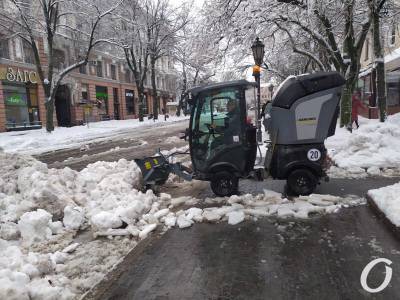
(314, 154)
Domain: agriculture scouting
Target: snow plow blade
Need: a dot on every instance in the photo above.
(156, 169)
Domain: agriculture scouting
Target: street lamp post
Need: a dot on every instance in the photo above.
(258, 55)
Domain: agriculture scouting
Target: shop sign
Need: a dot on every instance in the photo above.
(18, 75)
(128, 94)
(15, 100)
(102, 96)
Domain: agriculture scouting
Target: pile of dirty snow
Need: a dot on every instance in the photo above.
(388, 201)
(41, 210)
(236, 209)
(373, 149)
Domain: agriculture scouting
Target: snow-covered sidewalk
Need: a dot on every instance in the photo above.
(43, 213)
(39, 141)
(387, 200)
(371, 150)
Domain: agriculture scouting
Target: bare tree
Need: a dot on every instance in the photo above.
(336, 31)
(133, 37)
(49, 20)
(375, 7)
(164, 26)
(198, 55)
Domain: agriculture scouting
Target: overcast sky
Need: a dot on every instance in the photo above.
(197, 3)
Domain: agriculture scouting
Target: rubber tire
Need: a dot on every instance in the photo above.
(224, 184)
(301, 182)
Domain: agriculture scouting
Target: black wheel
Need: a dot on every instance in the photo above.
(224, 184)
(301, 182)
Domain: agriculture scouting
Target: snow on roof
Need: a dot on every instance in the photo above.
(364, 72)
(395, 54)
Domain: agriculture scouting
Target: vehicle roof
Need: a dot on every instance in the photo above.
(199, 89)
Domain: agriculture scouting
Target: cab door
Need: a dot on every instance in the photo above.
(218, 130)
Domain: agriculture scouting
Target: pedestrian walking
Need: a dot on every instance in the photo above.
(355, 107)
(164, 113)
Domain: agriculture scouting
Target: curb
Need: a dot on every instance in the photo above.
(101, 288)
(376, 210)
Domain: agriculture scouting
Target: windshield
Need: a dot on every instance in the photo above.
(251, 105)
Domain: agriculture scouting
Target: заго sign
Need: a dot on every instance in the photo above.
(18, 75)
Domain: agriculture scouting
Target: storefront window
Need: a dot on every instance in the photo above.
(393, 88)
(102, 100)
(130, 104)
(21, 104)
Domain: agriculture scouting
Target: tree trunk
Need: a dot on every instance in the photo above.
(379, 66)
(184, 88)
(141, 100)
(49, 104)
(49, 115)
(345, 105)
(154, 88)
(346, 99)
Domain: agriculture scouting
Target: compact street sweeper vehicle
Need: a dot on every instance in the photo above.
(222, 137)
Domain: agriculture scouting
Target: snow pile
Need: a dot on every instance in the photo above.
(74, 217)
(26, 184)
(236, 209)
(373, 149)
(42, 210)
(104, 192)
(24, 276)
(388, 201)
(39, 141)
(35, 226)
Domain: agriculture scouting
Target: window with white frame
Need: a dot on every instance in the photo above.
(113, 72)
(4, 47)
(393, 35)
(29, 57)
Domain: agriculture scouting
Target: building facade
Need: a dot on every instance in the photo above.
(367, 76)
(266, 92)
(104, 89)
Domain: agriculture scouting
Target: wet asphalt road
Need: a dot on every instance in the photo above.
(320, 258)
(129, 145)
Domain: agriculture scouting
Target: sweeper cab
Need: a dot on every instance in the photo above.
(222, 134)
